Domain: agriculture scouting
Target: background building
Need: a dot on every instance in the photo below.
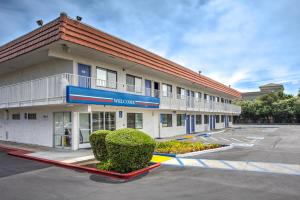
(264, 89)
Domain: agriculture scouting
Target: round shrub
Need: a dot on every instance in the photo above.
(129, 149)
(97, 141)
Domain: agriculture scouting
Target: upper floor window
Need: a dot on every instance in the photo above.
(166, 90)
(198, 96)
(133, 83)
(205, 96)
(180, 93)
(106, 78)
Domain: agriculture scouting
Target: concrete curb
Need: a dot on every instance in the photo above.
(23, 154)
(205, 151)
(195, 153)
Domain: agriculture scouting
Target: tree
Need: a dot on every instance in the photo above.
(275, 107)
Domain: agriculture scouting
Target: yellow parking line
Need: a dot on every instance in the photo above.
(159, 159)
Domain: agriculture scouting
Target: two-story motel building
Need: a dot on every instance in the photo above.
(66, 79)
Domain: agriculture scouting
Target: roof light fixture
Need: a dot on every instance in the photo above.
(40, 22)
(78, 18)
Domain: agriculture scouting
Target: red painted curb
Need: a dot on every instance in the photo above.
(22, 154)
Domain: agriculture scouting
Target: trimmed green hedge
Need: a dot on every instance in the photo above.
(129, 149)
(97, 140)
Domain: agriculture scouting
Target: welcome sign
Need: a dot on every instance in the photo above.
(82, 95)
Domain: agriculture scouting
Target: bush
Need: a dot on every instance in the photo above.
(105, 165)
(97, 140)
(129, 149)
(177, 147)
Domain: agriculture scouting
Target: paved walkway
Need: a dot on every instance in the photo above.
(235, 165)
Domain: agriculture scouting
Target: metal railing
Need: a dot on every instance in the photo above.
(51, 90)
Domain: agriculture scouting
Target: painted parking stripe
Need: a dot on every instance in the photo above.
(236, 140)
(228, 164)
(202, 163)
(213, 138)
(203, 138)
(258, 167)
(224, 139)
(179, 161)
(263, 167)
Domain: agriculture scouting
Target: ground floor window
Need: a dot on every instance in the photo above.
(84, 127)
(62, 129)
(135, 120)
(217, 118)
(104, 121)
(230, 118)
(198, 119)
(222, 118)
(166, 120)
(16, 116)
(180, 119)
(206, 119)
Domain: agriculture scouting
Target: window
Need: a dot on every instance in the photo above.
(218, 99)
(222, 100)
(134, 84)
(198, 119)
(166, 90)
(180, 119)
(16, 116)
(31, 116)
(230, 118)
(205, 96)
(106, 78)
(135, 120)
(206, 119)
(217, 118)
(229, 101)
(166, 120)
(180, 93)
(222, 118)
(198, 96)
(98, 121)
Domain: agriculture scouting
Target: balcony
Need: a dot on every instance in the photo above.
(52, 90)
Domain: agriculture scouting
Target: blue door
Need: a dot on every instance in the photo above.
(84, 72)
(192, 123)
(147, 87)
(188, 124)
(226, 121)
(212, 122)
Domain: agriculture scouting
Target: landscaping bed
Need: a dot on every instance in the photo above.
(182, 147)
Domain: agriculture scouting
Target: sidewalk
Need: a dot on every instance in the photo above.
(64, 155)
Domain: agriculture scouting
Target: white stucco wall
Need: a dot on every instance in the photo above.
(47, 68)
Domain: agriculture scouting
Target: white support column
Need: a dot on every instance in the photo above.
(75, 130)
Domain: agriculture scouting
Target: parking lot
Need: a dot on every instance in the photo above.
(23, 179)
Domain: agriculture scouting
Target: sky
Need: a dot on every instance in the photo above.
(242, 43)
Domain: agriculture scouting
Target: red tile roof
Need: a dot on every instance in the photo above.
(64, 28)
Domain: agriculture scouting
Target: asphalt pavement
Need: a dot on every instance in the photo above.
(24, 179)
